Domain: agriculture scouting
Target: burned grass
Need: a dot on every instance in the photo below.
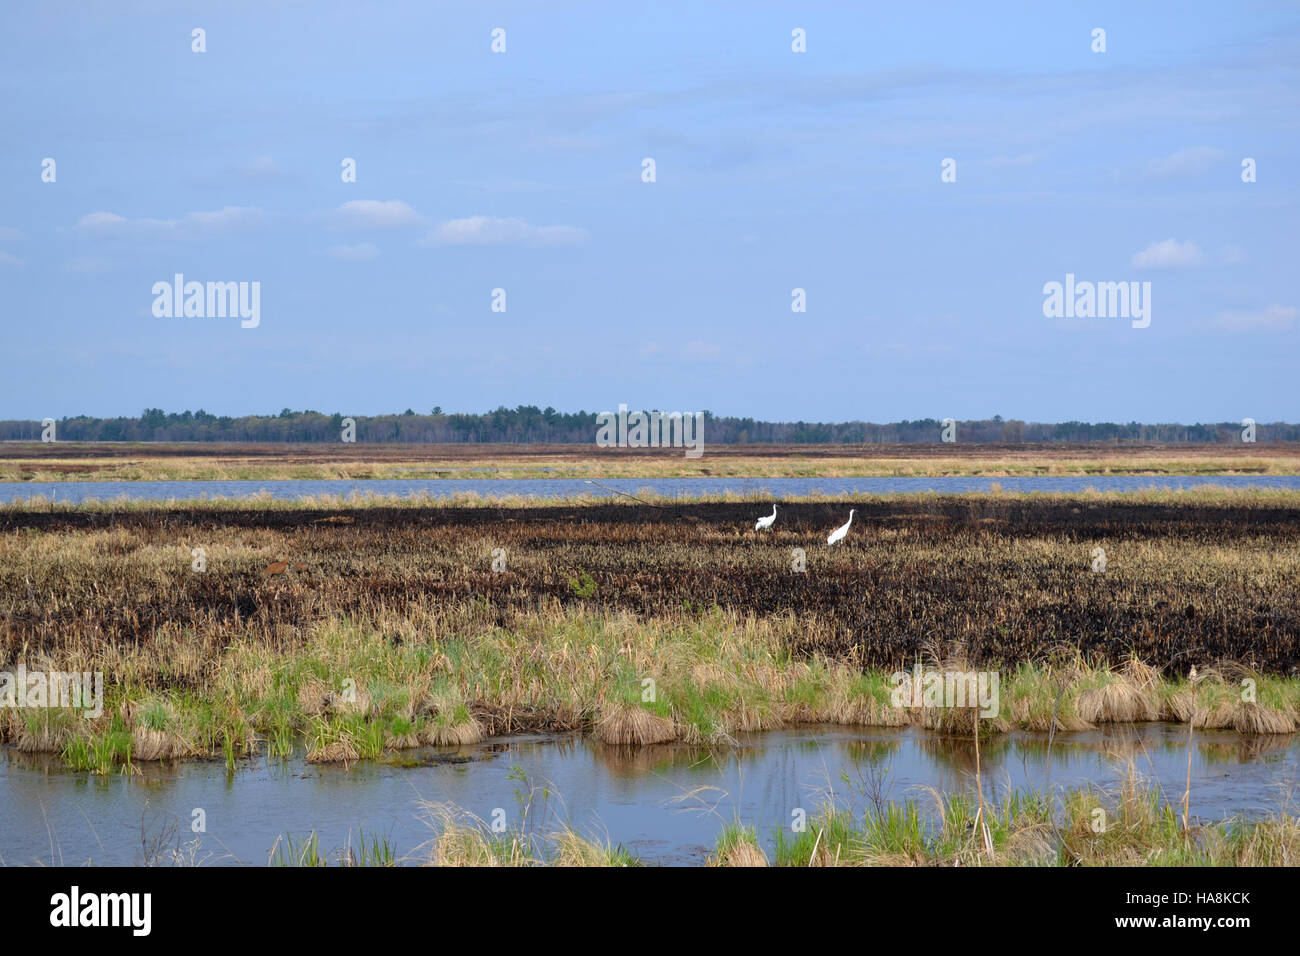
(1007, 578)
(369, 629)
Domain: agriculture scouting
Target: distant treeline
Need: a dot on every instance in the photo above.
(528, 423)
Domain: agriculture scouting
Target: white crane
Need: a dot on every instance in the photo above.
(767, 521)
(838, 534)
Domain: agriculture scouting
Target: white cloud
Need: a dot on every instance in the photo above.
(10, 234)
(376, 214)
(9, 259)
(195, 225)
(226, 216)
(1168, 254)
(263, 167)
(1274, 318)
(489, 230)
(1195, 161)
(359, 253)
(99, 220)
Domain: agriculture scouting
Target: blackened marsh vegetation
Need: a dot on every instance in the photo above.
(365, 627)
(1189, 580)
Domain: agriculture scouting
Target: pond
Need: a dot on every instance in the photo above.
(665, 804)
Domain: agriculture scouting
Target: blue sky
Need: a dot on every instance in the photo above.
(775, 170)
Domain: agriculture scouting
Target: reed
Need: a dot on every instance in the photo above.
(1023, 829)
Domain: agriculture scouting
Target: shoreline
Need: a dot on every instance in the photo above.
(74, 461)
(344, 714)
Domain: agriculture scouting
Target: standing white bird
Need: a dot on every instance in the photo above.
(767, 521)
(838, 534)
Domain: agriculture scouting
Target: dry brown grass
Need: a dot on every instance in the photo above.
(69, 461)
(42, 738)
(1125, 697)
(637, 726)
(339, 751)
(454, 735)
(742, 853)
(1215, 700)
(151, 745)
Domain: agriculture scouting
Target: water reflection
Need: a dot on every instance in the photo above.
(76, 491)
(665, 803)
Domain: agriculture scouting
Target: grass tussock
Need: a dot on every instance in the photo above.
(540, 837)
(1230, 697)
(633, 725)
(1126, 695)
(358, 690)
(738, 846)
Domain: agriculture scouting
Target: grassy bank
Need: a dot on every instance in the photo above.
(352, 692)
(198, 462)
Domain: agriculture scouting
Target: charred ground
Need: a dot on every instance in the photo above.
(1004, 578)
